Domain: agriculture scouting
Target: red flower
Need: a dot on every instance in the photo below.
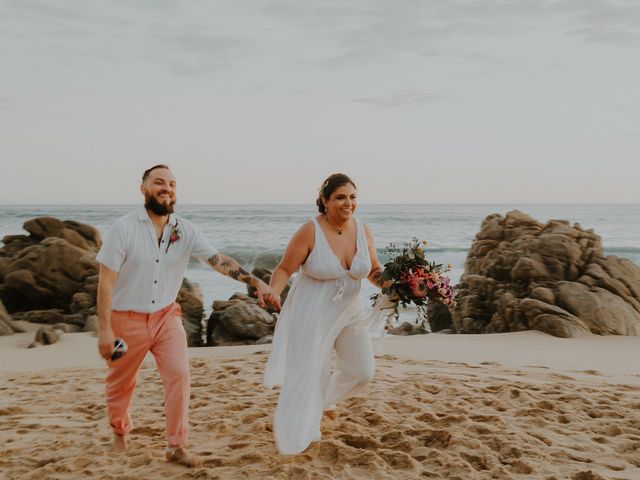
(174, 236)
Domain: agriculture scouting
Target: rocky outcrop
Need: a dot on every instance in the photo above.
(7, 324)
(407, 328)
(50, 334)
(439, 317)
(51, 317)
(45, 336)
(78, 234)
(521, 274)
(46, 275)
(190, 300)
(239, 321)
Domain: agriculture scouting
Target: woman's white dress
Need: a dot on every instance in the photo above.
(323, 309)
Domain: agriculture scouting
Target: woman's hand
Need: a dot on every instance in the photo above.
(266, 295)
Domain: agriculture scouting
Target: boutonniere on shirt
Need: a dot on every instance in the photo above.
(174, 236)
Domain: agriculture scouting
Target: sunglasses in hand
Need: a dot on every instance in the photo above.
(119, 349)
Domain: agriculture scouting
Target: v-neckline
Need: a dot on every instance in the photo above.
(331, 249)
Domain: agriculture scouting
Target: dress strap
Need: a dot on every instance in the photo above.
(362, 236)
(316, 225)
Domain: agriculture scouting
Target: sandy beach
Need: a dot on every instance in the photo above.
(518, 405)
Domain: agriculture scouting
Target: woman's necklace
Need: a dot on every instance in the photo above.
(340, 230)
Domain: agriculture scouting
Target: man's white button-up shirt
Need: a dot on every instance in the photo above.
(150, 273)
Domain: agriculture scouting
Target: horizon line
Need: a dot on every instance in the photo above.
(314, 206)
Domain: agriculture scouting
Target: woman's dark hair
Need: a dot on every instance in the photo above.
(329, 186)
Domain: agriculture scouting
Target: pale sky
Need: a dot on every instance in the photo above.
(258, 101)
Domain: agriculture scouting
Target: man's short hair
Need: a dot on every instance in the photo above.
(148, 171)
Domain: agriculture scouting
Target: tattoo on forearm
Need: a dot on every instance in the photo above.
(228, 266)
(239, 274)
(213, 261)
(378, 278)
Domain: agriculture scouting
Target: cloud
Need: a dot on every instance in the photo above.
(615, 23)
(46, 13)
(492, 62)
(185, 39)
(400, 99)
(193, 52)
(376, 31)
(618, 106)
(6, 103)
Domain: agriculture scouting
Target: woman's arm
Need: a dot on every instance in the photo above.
(295, 255)
(375, 275)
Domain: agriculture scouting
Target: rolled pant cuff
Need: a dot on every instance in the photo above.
(177, 441)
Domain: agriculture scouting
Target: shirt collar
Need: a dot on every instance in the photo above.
(144, 215)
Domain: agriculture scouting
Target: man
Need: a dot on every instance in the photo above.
(142, 263)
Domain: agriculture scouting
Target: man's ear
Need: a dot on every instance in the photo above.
(143, 190)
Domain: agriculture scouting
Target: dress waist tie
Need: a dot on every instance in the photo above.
(341, 283)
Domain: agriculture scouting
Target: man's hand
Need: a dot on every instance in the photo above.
(106, 339)
(266, 295)
(106, 281)
(229, 267)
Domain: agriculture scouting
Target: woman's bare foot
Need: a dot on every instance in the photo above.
(182, 456)
(119, 443)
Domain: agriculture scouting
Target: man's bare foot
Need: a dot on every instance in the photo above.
(182, 456)
(119, 443)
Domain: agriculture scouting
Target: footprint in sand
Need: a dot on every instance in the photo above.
(362, 442)
(436, 438)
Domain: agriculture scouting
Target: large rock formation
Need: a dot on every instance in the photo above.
(78, 234)
(45, 269)
(46, 275)
(521, 274)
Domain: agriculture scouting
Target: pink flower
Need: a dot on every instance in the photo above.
(418, 289)
(444, 291)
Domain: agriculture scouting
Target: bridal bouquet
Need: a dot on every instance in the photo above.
(415, 280)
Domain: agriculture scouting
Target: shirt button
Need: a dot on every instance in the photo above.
(157, 261)
(162, 241)
(153, 301)
(155, 281)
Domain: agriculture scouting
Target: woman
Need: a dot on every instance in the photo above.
(334, 252)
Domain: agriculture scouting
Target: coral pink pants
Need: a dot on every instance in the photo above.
(163, 335)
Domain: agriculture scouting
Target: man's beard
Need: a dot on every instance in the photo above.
(150, 203)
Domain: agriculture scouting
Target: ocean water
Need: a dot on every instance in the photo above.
(256, 235)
